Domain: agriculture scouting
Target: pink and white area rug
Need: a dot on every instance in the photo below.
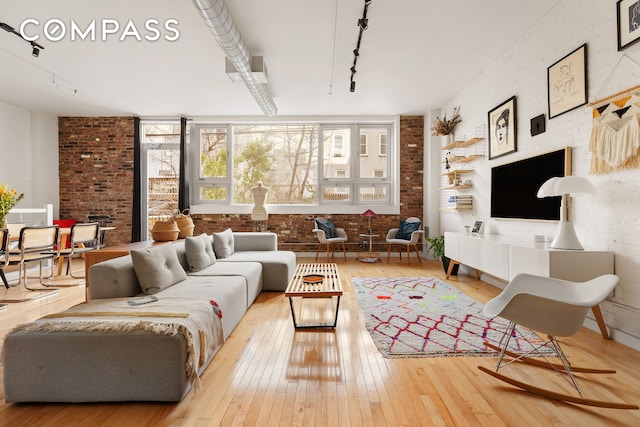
(424, 317)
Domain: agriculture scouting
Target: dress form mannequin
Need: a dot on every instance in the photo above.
(259, 211)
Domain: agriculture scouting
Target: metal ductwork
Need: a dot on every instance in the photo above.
(220, 22)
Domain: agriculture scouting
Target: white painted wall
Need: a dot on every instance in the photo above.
(607, 221)
(29, 159)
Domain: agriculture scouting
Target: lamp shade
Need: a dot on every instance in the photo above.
(559, 186)
(368, 213)
(566, 237)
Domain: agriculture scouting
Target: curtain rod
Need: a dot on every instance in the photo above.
(622, 92)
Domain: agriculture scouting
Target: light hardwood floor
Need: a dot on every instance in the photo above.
(267, 374)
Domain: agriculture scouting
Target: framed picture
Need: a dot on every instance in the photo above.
(477, 226)
(502, 129)
(628, 22)
(567, 82)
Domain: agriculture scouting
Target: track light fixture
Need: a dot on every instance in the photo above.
(363, 23)
(36, 48)
(35, 51)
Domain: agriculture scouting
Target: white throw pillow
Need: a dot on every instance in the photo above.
(157, 267)
(199, 252)
(223, 243)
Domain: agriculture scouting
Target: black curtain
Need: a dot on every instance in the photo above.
(136, 220)
(183, 185)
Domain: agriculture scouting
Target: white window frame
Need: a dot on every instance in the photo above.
(197, 182)
(352, 206)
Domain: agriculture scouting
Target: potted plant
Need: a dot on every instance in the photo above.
(444, 126)
(437, 247)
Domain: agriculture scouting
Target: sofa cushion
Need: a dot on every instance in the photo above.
(157, 267)
(199, 252)
(250, 270)
(223, 243)
(229, 292)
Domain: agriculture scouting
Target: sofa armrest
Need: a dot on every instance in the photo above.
(114, 278)
(255, 241)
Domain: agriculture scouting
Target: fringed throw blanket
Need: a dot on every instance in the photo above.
(615, 137)
(196, 320)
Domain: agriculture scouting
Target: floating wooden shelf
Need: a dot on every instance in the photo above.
(469, 208)
(456, 187)
(461, 144)
(470, 158)
(456, 172)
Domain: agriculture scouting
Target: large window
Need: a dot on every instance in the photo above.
(301, 164)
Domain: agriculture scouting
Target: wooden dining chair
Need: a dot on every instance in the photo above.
(84, 237)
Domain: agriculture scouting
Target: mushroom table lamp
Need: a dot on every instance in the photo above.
(369, 214)
(566, 237)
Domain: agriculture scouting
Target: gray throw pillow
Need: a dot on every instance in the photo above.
(157, 267)
(223, 243)
(199, 252)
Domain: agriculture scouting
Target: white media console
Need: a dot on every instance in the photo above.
(504, 256)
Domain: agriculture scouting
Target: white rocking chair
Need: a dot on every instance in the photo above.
(556, 308)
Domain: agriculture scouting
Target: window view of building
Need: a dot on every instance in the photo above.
(301, 164)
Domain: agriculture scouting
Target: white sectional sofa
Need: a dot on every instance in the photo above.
(109, 350)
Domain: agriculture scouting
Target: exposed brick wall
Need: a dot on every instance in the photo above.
(103, 183)
(96, 171)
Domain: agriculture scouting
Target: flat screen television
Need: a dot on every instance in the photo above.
(514, 186)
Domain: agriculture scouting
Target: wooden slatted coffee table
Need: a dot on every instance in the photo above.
(303, 286)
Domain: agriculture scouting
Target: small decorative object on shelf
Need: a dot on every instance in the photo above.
(447, 166)
(443, 126)
(8, 199)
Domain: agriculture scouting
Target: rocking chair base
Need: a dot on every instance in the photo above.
(549, 365)
(558, 396)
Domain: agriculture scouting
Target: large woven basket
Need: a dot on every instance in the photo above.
(185, 224)
(165, 230)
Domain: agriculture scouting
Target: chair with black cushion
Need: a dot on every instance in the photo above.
(406, 235)
(103, 221)
(84, 237)
(327, 234)
(35, 244)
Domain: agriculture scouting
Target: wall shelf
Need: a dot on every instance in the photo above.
(457, 153)
(455, 172)
(466, 208)
(456, 187)
(462, 144)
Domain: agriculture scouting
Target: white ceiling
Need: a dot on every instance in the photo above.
(415, 55)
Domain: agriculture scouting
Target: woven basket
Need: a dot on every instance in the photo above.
(165, 230)
(185, 224)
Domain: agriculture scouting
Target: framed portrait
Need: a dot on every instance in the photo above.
(502, 129)
(567, 82)
(628, 22)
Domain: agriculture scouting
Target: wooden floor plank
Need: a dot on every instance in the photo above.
(267, 374)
